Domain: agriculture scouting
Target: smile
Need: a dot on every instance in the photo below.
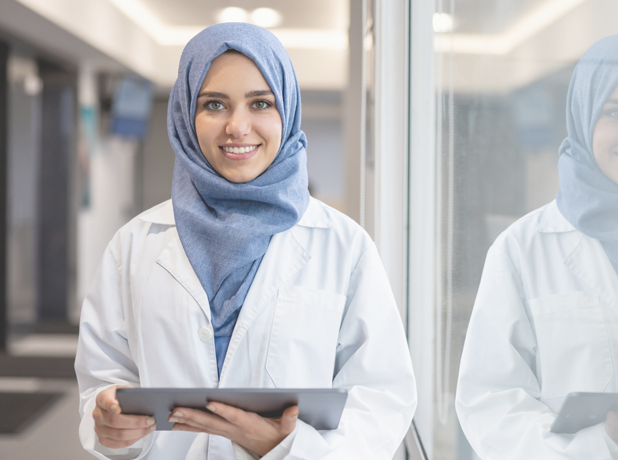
(239, 150)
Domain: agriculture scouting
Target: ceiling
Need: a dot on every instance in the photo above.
(147, 36)
(498, 44)
(305, 14)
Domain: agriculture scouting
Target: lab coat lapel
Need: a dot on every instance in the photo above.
(284, 257)
(590, 263)
(175, 261)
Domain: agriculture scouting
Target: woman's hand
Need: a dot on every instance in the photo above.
(611, 425)
(117, 430)
(247, 429)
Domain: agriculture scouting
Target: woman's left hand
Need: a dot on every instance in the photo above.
(611, 425)
(247, 429)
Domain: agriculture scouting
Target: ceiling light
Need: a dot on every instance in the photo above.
(33, 84)
(266, 17)
(442, 22)
(232, 14)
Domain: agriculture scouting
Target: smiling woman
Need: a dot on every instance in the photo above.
(237, 122)
(242, 281)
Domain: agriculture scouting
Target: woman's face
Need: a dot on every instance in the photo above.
(605, 138)
(237, 122)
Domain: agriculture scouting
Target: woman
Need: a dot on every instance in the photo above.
(545, 321)
(242, 280)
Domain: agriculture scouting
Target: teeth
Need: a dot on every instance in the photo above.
(238, 150)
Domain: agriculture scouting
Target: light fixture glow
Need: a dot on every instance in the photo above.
(442, 22)
(232, 14)
(33, 84)
(172, 35)
(266, 17)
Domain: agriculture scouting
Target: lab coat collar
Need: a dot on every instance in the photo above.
(315, 216)
(589, 262)
(284, 257)
(163, 214)
(552, 220)
(174, 259)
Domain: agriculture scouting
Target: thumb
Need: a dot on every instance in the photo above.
(109, 401)
(288, 419)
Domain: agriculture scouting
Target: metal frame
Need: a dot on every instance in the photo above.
(4, 308)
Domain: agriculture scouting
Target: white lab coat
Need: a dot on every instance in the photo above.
(320, 314)
(545, 324)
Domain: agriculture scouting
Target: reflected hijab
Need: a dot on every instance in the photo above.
(587, 198)
(225, 227)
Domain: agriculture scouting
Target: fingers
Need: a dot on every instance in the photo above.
(117, 436)
(106, 418)
(192, 429)
(288, 420)
(210, 423)
(231, 414)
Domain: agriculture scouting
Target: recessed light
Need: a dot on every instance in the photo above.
(33, 84)
(442, 22)
(232, 14)
(266, 17)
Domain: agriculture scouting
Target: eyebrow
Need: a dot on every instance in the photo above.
(257, 93)
(612, 101)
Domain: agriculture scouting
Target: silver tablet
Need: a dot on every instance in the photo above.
(581, 410)
(320, 408)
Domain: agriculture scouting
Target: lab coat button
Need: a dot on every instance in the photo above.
(205, 334)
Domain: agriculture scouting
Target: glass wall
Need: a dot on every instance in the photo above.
(484, 153)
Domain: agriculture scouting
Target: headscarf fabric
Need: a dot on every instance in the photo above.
(587, 198)
(225, 227)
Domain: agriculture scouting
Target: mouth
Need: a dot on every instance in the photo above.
(239, 152)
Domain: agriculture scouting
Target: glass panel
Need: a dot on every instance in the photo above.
(501, 75)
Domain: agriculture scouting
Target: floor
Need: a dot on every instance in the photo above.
(42, 363)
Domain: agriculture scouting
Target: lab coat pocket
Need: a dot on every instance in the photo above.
(303, 339)
(573, 344)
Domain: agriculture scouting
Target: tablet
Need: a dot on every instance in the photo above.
(581, 410)
(320, 408)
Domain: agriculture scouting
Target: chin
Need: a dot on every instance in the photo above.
(240, 178)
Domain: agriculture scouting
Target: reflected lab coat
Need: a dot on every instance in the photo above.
(545, 324)
(320, 314)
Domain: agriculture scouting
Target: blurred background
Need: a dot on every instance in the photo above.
(433, 123)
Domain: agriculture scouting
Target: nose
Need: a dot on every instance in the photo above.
(239, 124)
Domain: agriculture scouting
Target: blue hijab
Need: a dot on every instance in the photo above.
(225, 227)
(587, 198)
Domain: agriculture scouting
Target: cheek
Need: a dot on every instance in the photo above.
(207, 133)
(271, 132)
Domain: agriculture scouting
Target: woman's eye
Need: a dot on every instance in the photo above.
(612, 113)
(214, 105)
(261, 104)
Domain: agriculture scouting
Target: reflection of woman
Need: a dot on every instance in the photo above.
(545, 321)
(242, 280)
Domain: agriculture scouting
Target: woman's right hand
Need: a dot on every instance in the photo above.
(114, 429)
